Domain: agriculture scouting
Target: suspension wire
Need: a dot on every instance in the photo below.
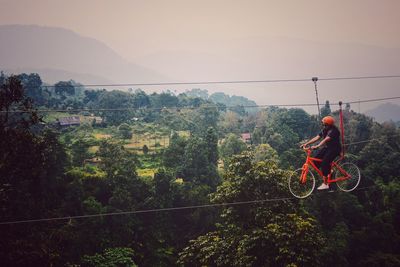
(149, 210)
(360, 77)
(371, 100)
(230, 81)
(160, 109)
(211, 106)
(372, 139)
(161, 209)
(187, 83)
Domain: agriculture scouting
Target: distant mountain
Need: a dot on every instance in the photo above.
(60, 54)
(257, 57)
(273, 57)
(385, 112)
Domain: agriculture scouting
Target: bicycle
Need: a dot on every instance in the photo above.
(302, 181)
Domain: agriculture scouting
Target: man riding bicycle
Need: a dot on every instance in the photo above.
(329, 147)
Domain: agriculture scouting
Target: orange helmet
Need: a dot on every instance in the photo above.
(328, 120)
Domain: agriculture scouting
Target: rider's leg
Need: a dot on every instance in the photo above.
(319, 155)
(329, 156)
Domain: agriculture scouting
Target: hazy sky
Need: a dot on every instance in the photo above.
(134, 28)
(141, 30)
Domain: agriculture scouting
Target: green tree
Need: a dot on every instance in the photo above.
(111, 257)
(125, 131)
(64, 88)
(230, 122)
(174, 155)
(197, 92)
(32, 165)
(292, 158)
(270, 234)
(141, 99)
(211, 142)
(164, 99)
(91, 96)
(265, 152)
(326, 110)
(196, 166)
(116, 160)
(115, 100)
(32, 84)
(232, 145)
(282, 128)
(203, 118)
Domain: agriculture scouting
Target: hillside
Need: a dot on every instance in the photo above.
(57, 53)
(385, 112)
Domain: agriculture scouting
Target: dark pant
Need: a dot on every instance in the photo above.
(327, 156)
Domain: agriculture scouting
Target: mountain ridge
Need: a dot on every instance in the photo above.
(62, 50)
(385, 112)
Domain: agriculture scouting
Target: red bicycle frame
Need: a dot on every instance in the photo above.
(328, 180)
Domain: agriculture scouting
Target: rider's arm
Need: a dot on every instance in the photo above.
(315, 139)
(326, 139)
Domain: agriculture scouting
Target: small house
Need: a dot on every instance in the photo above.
(69, 121)
(92, 162)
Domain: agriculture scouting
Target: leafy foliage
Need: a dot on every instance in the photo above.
(111, 257)
(231, 146)
(47, 172)
(259, 235)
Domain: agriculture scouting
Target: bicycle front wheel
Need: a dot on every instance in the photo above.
(299, 188)
(351, 174)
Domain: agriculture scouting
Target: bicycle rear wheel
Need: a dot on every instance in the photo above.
(352, 172)
(297, 187)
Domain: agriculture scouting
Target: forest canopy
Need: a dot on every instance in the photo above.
(110, 152)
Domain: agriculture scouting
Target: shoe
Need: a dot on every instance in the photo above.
(323, 186)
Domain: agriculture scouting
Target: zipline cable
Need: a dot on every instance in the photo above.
(360, 77)
(158, 210)
(213, 106)
(232, 81)
(372, 139)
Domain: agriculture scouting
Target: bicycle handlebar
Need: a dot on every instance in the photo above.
(307, 148)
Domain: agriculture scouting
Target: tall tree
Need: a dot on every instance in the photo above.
(32, 164)
(232, 145)
(211, 142)
(272, 234)
(64, 88)
(115, 100)
(206, 116)
(326, 110)
(32, 84)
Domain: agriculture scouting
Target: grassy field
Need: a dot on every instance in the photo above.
(155, 138)
(53, 116)
(99, 136)
(153, 142)
(146, 172)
